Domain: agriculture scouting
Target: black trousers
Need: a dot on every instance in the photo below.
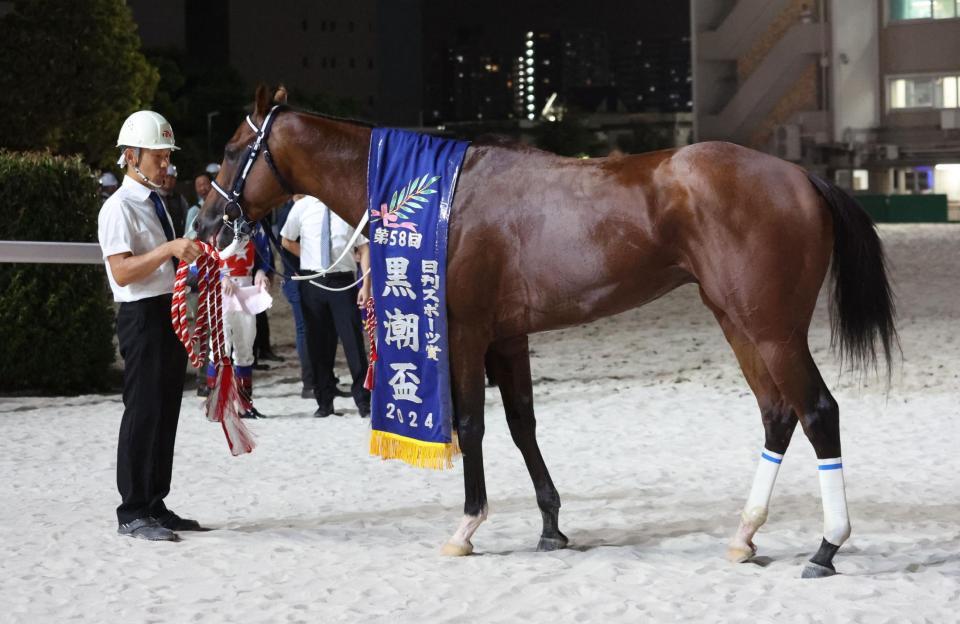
(325, 316)
(154, 362)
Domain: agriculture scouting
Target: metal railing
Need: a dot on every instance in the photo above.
(34, 252)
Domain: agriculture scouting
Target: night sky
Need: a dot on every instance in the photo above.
(503, 22)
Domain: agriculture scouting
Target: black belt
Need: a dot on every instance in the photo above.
(338, 276)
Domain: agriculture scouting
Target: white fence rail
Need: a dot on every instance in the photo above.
(50, 253)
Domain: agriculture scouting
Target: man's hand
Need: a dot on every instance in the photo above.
(229, 288)
(261, 280)
(184, 249)
(364, 294)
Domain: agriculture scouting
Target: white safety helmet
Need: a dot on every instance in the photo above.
(146, 129)
(108, 179)
(172, 170)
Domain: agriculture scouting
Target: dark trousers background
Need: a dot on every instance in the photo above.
(153, 369)
(291, 290)
(326, 315)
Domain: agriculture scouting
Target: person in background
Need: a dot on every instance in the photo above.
(201, 185)
(262, 350)
(323, 237)
(175, 202)
(108, 186)
(140, 253)
(291, 290)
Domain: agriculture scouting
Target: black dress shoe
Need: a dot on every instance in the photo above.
(148, 529)
(174, 522)
(269, 356)
(203, 391)
(345, 394)
(306, 393)
(252, 413)
(365, 413)
(326, 410)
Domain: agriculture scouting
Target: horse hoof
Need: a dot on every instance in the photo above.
(454, 549)
(548, 544)
(815, 570)
(739, 554)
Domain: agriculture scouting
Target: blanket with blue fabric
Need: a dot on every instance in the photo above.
(411, 179)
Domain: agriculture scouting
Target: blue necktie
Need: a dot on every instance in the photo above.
(325, 243)
(164, 221)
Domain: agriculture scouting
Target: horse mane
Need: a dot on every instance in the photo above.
(312, 113)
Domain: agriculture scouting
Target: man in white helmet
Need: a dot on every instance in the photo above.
(141, 254)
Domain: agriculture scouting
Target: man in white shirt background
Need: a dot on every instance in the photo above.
(140, 254)
(323, 237)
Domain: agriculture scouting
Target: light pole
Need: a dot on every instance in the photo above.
(210, 117)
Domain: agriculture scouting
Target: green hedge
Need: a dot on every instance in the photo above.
(56, 319)
(905, 208)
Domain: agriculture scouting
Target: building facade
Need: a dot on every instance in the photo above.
(865, 90)
(367, 51)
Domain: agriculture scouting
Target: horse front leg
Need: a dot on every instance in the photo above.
(467, 348)
(510, 361)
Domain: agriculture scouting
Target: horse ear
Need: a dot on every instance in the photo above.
(280, 97)
(261, 101)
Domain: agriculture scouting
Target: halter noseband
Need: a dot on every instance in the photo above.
(241, 226)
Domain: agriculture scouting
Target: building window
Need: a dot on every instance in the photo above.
(901, 10)
(860, 179)
(924, 92)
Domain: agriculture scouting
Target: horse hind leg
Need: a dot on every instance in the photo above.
(779, 422)
(803, 388)
(510, 364)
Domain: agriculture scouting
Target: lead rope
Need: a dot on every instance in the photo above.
(225, 403)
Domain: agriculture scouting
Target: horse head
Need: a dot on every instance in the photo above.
(248, 185)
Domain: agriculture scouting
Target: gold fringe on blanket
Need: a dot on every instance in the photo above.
(434, 455)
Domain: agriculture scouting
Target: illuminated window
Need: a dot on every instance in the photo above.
(923, 92)
(901, 10)
(860, 179)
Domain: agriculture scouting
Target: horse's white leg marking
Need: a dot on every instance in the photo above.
(741, 546)
(459, 545)
(836, 521)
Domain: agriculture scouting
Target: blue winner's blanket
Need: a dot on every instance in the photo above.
(410, 182)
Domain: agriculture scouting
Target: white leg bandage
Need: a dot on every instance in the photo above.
(836, 522)
(755, 511)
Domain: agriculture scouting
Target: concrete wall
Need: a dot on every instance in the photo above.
(920, 46)
(917, 47)
(855, 59)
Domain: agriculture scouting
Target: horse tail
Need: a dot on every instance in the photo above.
(861, 304)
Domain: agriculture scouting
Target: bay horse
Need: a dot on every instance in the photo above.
(539, 242)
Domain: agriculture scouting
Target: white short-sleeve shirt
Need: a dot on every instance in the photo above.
(128, 223)
(305, 222)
